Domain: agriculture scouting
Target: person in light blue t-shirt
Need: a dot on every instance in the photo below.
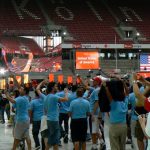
(22, 106)
(118, 112)
(22, 124)
(38, 105)
(37, 111)
(64, 109)
(52, 112)
(79, 110)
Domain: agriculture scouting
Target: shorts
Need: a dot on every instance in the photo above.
(139, 132)
(44, 134)
(53, 132)
(21, 130)
(95, 125)
(79, 129)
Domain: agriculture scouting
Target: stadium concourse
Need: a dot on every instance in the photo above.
(6, 139)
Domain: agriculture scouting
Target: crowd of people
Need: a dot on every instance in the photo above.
(77, 112)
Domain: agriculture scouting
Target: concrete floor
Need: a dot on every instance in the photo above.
(6, 139)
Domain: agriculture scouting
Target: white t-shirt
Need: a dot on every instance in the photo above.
(147, 130)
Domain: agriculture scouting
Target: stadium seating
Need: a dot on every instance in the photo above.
(16, 18)
(137, 14)
(87, 21)
(20, 45)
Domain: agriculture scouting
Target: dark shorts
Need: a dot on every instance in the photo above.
(53, 132)
(139, 132)
(44, 133)
(79, 129)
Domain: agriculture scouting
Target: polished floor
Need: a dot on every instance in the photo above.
(6, 139)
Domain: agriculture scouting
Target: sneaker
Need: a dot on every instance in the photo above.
(102, 146)
(66, 138)
(22, 145)
(88, 137)
(59, 143)
(128, 141)
(94, 147)
(37, 148)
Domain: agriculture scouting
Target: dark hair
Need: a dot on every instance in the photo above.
(116, 88)
(50, 87)
(16, 93)
(62, 86)
(27, 90)
(74, 88)
(80, 92)
(131, 88)
(103, 101)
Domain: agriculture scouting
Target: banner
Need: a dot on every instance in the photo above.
(70, 79)
(51, 77)
(87, 60)
(60, 78)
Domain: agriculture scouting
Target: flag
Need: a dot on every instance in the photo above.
(145, 62)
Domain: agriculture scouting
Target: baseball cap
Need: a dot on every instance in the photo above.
(99, 80)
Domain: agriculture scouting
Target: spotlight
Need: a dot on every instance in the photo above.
(64, 33)
(2, 71)
(137, 34)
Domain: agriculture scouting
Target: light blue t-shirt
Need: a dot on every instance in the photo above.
(132, 101)
(51, 107)
(93, 98)
(22, 106)
(64, 106)
(79, 108)
(73, 96)
(37, 107)
(42, 96)
(118, 111)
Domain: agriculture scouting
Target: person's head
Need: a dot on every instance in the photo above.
(80, 92)
(62, 86)
(116, 88)
(22, 91)
(52, 87)
(16, 93)
(97, 81)
(27, 90)
(74, 88)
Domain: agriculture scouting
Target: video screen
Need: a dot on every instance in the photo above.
(87, 60)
